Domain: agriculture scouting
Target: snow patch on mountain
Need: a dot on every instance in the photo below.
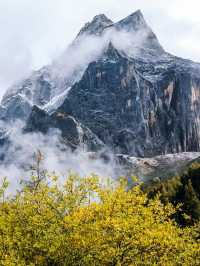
(56, 101)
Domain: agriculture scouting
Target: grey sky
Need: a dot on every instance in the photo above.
(33, 32)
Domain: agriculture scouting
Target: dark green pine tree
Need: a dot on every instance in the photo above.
(192, 202)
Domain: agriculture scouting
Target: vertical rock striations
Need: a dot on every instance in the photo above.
(135, 99)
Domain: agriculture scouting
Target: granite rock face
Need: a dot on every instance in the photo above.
(73, 133)
(133, 98)
(139, 111)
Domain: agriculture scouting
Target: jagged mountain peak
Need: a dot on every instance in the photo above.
(142, 34)
(96, 26)
(134, 21)
(101, 18)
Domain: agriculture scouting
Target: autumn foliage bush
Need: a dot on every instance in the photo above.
(84, 221)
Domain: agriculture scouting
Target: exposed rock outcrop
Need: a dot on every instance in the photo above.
(73, 133)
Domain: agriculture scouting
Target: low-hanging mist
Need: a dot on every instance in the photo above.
(20, 157)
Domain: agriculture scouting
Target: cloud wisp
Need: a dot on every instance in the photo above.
(57, 158)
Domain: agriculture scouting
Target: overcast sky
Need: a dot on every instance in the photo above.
(33, 32)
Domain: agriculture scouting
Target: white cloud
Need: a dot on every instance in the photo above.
(33, 32)
(57, 158)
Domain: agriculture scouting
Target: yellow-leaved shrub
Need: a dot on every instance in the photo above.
(85, 222)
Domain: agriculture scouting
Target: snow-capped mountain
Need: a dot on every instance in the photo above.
(115, 86)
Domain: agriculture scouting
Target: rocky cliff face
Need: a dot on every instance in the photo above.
(128, 94)
(73, 133)
(138, 108)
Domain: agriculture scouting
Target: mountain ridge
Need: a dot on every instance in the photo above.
(115, 89)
